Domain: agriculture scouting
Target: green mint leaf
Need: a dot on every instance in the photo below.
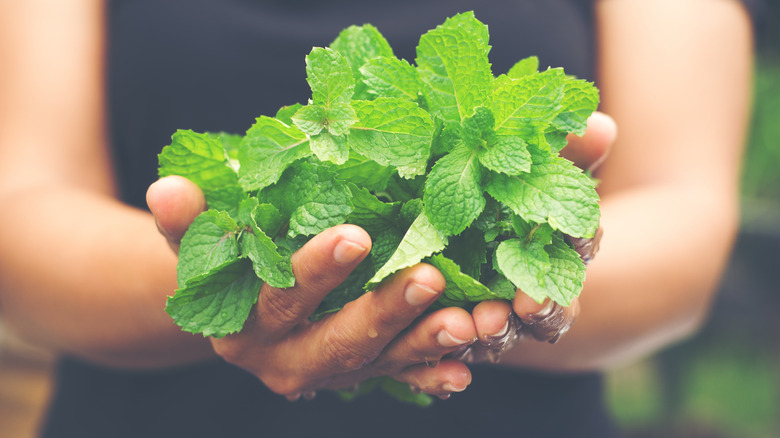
(210, 241)
(393, 132)
(506, 154)
(384, 245)
(502, 287)
(336, 119)
(230, 144)
(499, 153)
(495, 219)
(524, 67)
(268, 148)
(310, 119)
(226, 198)
(554, 191)
(311, 197)
(268, 265)
(555, 271)
(370, 213)
(363, 172)
(461, 289)
(328, 147)
(268, 218)
(359, 45)
(202, 159)
(216, 304)
(478, 126)
(556, 139)
(469, 251)
(329, 76)
(525, 106)
(580, 99)
(420, 241)
(453, 194)
(340, 117)
(285, 113)
(391, 77)
(453, 65)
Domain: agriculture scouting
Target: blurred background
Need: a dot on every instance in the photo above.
(723, 383)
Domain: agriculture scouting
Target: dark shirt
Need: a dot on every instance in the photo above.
(215, 65)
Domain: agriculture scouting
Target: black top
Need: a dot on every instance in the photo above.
(215, 65)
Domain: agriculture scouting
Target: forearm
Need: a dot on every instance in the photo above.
(87, 275)
(650, 284)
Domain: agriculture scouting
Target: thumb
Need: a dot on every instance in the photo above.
(175, 202)
(590, 150)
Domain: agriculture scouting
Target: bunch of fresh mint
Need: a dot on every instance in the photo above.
(440, 162)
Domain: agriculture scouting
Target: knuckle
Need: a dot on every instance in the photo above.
(338, 352)
(281, 307)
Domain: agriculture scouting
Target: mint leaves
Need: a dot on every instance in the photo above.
(440, 161)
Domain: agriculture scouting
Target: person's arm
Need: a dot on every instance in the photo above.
(87, 275)
(79, 271)
(675, 76)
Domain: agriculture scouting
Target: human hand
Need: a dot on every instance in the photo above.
(375, 335)
(500, 324)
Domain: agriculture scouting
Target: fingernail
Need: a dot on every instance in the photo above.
(449, 387)
(545, 311)
(501, 333)
(346, 252)
(445, 339)
(417, 294)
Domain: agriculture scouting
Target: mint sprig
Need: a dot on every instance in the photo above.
(440, 161)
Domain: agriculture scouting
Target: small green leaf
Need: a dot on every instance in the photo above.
(285, 113)
(267, 149)
(453, 65)
(268, 265)
(217, 303)
(555, 271)
(329, 76)
(420, 241)
(392, 132)
(328, 147)
(310, 119)
(525, 106)
(580, 99)
(210, 241)
(391, 77)
(524, 67)
(202, 159)
(311, 197)
(370, 213)
(554, 191)
(506, 154)
(461, 289)
(359, 45)
(453, 194)
(363, 172)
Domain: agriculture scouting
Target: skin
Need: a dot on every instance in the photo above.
(100, 290)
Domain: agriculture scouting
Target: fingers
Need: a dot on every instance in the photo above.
(319, 266)
(355, 336)
(175, 202)
(447, 377)
(547, 321)
(491, 319)
(439, 333)
(590, 150)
